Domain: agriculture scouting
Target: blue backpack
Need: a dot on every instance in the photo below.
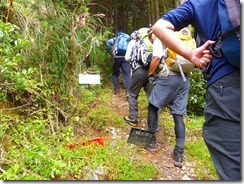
(121, 43)
(229, 15)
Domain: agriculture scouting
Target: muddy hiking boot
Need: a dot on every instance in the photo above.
(131, 122)
(153, 146)
(178, 156)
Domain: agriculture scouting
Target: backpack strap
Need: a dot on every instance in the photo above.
(115, 45)
(181, 72)
(230, 32)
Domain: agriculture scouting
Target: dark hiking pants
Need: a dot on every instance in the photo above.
(221, 130)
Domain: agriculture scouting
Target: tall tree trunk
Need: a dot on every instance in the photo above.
(156, 14)
(150, 12)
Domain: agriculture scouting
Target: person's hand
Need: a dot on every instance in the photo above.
(152, 79)
(202, 56)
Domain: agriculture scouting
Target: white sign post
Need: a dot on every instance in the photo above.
(89, 78)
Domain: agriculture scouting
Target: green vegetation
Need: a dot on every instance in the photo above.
(32, 152)
(197, 151)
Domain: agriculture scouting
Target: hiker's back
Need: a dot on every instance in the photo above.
(142, 49)
(229, 14)
(121, 43)
(117, 47)
(144, 46)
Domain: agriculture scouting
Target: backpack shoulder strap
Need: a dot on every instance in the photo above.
(229, 12)
(231, 32)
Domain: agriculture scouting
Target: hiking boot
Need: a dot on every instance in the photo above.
(131, 122)
(152, 147)
(116, 91)
(178, 156)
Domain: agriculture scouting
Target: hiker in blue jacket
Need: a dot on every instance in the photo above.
(221, 129)
(119, 64)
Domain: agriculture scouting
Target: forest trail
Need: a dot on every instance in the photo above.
(162, 158)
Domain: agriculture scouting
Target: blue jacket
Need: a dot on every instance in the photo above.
(111, 42)
(203, 16)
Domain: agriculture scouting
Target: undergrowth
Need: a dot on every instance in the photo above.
(31, 151)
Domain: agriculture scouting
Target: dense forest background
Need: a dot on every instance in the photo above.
(45, 45)
(131, 15)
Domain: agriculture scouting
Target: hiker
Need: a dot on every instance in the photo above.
(170, 90)
(138, 80)
(117, 47)
(221, 129)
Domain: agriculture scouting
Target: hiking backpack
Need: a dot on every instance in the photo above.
(229, 15)
(177, 63)
(143, 47)
(120, 44)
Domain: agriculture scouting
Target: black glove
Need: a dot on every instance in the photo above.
(152, 79)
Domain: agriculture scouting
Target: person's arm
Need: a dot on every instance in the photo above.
(155, 62)
(158, 51)
(164, 31)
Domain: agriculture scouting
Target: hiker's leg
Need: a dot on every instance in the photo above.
(148, 87)
(180, 91)
(223, 141)
(221, 129)
(180, 132)
(160, 96)
(137, 81)
(152, 119)
(116, 71)
(125, 67)
(178, 108)
(178, 152)
(162, 93)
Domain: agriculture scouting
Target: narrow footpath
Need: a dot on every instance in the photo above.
(162, 157)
